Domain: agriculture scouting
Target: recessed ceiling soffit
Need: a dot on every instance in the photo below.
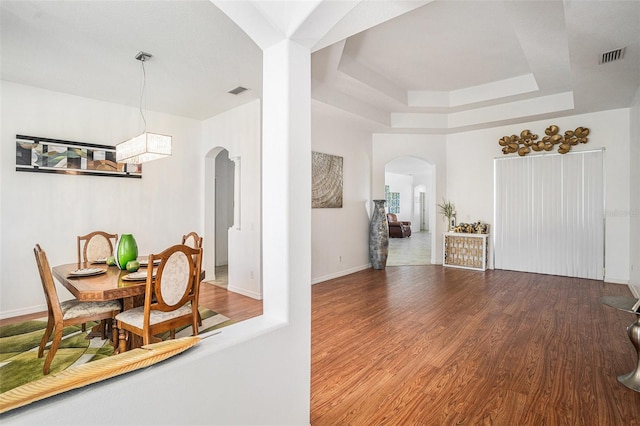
(532, 71)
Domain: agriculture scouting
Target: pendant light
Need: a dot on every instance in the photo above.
(147, 146)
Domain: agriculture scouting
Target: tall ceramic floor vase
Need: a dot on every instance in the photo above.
(379, 236)
(126, 250)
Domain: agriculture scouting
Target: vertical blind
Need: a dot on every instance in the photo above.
(549, 214)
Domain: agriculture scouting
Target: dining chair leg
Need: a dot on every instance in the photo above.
(194, 326)
(122, 341)
(114, 335)
(45, 337)
(147, 338)
(103, 329)
(57, 338)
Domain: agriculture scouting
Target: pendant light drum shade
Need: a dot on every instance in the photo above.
(143, 148)
(147, 146)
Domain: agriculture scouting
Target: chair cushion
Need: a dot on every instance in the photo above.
(135, 316)
(76, 309)
(175, 278)
(98, 248)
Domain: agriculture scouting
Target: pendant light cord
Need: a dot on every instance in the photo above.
(142, 91)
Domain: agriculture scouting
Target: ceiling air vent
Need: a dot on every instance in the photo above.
(614, 55)
(237, 90)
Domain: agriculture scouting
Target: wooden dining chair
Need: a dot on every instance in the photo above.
(171, 297)
(70, 312)
(192, 239)
(95, 245)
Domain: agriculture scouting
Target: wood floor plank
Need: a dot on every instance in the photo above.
(428, 345)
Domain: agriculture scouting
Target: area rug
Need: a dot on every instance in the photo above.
(19, 362)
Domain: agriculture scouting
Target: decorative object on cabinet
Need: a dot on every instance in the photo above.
(528, 141)
(469, 251)
(472, 228)
(46, 155)
(326, 181)
(448, 210)
(146, 146)
(378, 236)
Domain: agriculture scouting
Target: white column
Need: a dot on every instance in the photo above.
(236, 193)
(286, 177)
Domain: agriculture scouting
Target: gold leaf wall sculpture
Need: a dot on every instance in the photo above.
(528, 141)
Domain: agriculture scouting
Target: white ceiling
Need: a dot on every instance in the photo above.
(440, 68)
(459, 65)
(88, 48)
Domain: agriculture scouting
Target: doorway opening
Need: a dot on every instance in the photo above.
(219, 214)
(410, 189)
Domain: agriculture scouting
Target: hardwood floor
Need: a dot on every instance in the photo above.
(232, 305)
(427, 345)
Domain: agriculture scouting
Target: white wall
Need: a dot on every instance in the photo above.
(430, 148)
(634, 195)
(470, 175)
(52, 209)
(402, 184)
(238, 131)
(340, 237)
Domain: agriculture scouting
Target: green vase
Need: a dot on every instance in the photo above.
(126, 250)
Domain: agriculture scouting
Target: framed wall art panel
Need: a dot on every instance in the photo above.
(326, 181)
(45, 155)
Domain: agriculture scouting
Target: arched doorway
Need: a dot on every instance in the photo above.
(219, 211)
(409, 189)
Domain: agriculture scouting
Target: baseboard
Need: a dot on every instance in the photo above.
(244, 292)
(23, 311)
(616, 281)
(340, 274)
(634, 291)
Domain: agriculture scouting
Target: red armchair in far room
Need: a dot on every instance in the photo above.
(398, 229)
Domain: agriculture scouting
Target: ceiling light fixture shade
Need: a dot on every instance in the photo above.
(143, 148)
(147, 146)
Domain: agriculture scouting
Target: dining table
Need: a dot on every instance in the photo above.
(111, 283)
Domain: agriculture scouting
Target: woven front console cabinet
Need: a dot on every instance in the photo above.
(468, 251)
